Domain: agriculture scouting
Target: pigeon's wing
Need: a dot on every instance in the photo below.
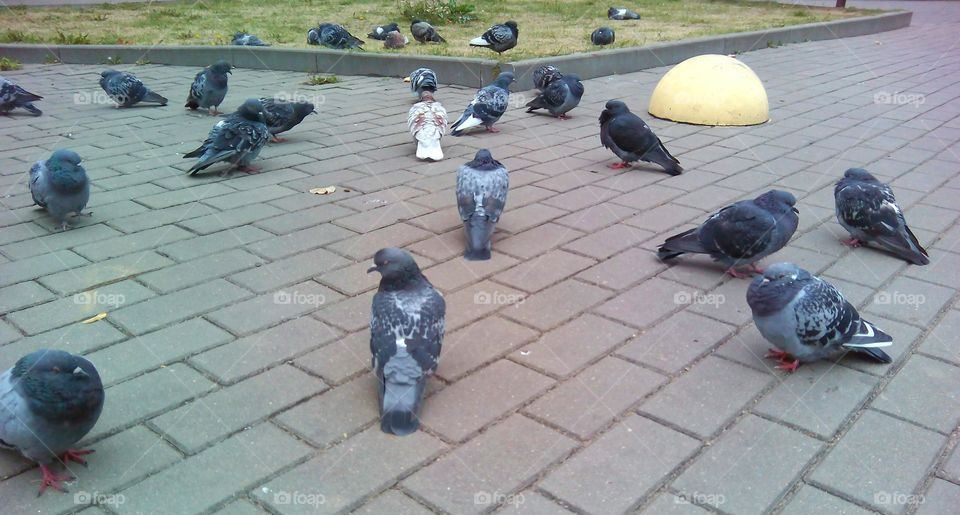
(278, 114)
(498, 35)
(628, 132)
(407, 314)
(738, 231)
(491, 103)
(199, 86)
(482, 191)
(125, 89)
(15, 422)
(826, 319)
(427, 121)
(868, 207)
(553, 96)
(39, 184)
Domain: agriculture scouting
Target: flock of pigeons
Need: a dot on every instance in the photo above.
(51, 398)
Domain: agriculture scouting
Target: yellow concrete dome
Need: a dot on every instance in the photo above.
(711, 90)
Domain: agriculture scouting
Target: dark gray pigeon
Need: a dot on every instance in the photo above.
(245, 39)
(487, 107)
(423, 32)
(740, 234)
(380, 31)
(13, 96)
(237, 139)
(544, 75)
(406, 334)
(622, 13)
(49, 400)
(499, 38)
(423, 79)
(209, 88)
(333, 36)
(60, 185)
(603, 36)
(126, 89)
(559, 97)
(808, 319)
(867, 209)
(281, 116)
(631, 139)
(482, 186)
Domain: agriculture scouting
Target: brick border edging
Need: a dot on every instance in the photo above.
(463, 71)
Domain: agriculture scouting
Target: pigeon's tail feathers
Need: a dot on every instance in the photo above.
(536, 103)
(429, 149)
(687, 241)
(662, 157)
(400, 407)
(908, 248)
(869, 336)
(479, 42)
(467, 121)
(479, 231)
(155, 98)
(873, 352)
(33, 109)
(196, 152)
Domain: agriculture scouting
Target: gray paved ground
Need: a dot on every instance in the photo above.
(235, 349)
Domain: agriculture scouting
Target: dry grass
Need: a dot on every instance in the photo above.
(547, 27)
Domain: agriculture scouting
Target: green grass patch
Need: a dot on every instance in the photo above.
(9, 64)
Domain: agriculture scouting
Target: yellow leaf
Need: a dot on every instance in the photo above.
(95, 318)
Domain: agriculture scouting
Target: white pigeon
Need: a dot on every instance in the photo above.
(427, 122)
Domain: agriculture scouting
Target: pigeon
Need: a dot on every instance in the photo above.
(742, 233)
(499, 38)
(406, 334)
(126, 89)
(281, 116)
(427, 122)
(333, 36)
(807, 318)
(49, 400)
(622, 13)
(244, 39)
(423, 32)
(380, 31)
(603, 36)
(487, 107)
(237, 139)
(559, 97)
(544, 75)
(423, 79)
(60, 185)
(482, 186)
(209, 88)
(631, 139)
(13, 96)
(395, 40)
(867, 209)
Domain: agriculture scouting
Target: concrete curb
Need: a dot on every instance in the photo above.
(453, 70)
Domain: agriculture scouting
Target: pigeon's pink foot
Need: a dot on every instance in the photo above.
(738, 274)
(852, 242)
(52, 480)
(249, 169)
(76, 455)
(214, 112)
(618, 166)
(277, 139)
(789, 366)
(777, 354)
(756, 269)
(563, 117)
(493, 129)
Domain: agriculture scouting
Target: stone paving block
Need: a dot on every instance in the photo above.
(474, 477)
(879, 459)
(660, 346)
(910, 301)
(479, 343)
(528, 217)
(607, 242)
(340, 359)
(951, 469)
(645, 303)
(285, 245)
(749, 469)
(336, 414)
(571, 346)
(726, 302)
(529, 502)
(533, 242)
(152, 350)
(207, 419)
(623, 270)
(143, 240)
(78, 307)
(866, 266)
(190, 485)
(271, 308)
(364, 246)
(479, 300)
(231, 218)
(665, 217)
(926, 391)
(383, 216)
(22, 295)
(353, 314)
(263, 193)
(39, 266)
(538, 273)
(648, 197)
(942, 270)
(290, 222)
(180, 305)
(251, 354)
(182, 196)
(459, 272)
(941, 340)
(618, 469)
(149, 395)
(393, 502)
(596, 217)
(708, 396)
(588, 401)
(813, 500)
(556, 304)
(347, 474)
(669, 503)
(57, 241)
(239, 507)
(8, 333)
(465, 407)
(200, 270)
(941, 497)
(158, 217)
(88, 276)
(289, 270)
(212, 243)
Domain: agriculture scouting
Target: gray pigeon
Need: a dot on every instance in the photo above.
(499, 38)
(13, 96)
(423, 79)
(622, 13)
(631, 139)
(740, 234)
(867, 209)
(487, 107)
(281, 116)
(209, 88)
(423, 32)
(544, 75)
(603, 36)
(406, 334)
(60, 185)
(395, 40)
(807, 319)
(559, 97)
(49, 400)
(482, 186)
(126, 89)
(244, 39)
(333, 36)
(237, 139)
(380, 31)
